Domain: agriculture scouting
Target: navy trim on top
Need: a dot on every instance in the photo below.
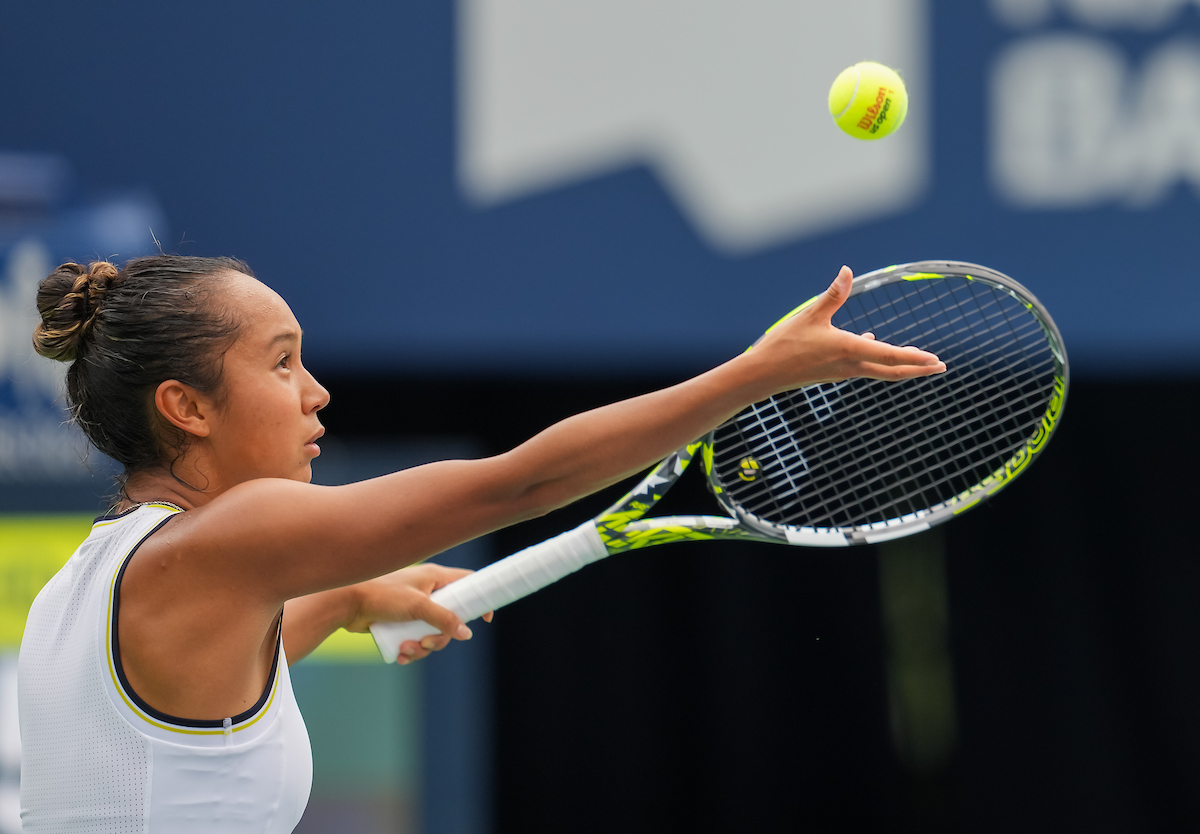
(142, 705)
(110, 516)
(115, 516)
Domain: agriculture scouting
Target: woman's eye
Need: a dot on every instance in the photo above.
(283, 363)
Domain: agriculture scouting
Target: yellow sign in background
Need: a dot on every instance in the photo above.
(34, 547)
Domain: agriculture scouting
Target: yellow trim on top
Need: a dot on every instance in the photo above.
(160, 504)
(174, 728)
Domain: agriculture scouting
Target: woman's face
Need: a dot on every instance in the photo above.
(265, 425)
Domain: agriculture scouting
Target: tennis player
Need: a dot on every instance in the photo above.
(154, 687)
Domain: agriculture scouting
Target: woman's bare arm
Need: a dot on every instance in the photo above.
(395, 597)
(290, 539)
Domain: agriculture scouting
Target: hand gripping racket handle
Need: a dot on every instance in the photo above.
(500, 583)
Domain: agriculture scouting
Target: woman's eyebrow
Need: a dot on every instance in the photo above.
(287, 336)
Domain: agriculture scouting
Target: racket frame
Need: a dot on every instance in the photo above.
(623, 526)
(621, 529)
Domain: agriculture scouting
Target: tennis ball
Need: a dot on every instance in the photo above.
(868, 100)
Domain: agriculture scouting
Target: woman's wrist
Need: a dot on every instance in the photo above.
(743, 380)
(327, 611)
(348, 605)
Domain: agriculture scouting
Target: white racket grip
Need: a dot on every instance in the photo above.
(500, 583)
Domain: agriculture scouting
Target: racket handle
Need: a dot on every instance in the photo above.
(500, 583)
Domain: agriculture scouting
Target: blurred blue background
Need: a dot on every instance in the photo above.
(490, 213)
(626, 186)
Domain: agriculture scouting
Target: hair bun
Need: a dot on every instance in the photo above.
(69, 301)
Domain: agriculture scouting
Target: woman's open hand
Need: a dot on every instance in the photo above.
(806, 348)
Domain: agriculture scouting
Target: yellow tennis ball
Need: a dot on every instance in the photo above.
(868, 100)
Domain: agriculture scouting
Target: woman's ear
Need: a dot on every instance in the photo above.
(185, 407)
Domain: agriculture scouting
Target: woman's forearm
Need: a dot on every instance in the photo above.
(308, 620)
(590, 451)
(302, 539)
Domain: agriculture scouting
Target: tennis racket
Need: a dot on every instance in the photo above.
(835, 464)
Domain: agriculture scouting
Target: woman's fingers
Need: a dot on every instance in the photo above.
(866, 349)
(834, 297)
(443, 619)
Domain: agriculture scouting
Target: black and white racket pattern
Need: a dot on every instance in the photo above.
(862, 452)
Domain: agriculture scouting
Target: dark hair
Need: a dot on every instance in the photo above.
(124, 332)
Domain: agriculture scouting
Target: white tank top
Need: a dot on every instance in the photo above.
(96, 758)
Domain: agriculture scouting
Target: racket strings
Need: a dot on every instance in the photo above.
(861, 452)
(896, 454)
(838, 494)
(831, 495)
(912, 438)
(931, 456)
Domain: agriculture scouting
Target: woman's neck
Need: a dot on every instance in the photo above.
(160, 485)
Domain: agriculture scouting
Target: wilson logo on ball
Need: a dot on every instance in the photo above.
(879, 108)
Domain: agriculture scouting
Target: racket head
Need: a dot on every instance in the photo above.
(863, 461)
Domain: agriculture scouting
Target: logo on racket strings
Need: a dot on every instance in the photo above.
(748, 468)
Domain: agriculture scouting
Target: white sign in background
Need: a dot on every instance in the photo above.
(1101, 14)
(718, 98)
(1077, 124)
(35, 443)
